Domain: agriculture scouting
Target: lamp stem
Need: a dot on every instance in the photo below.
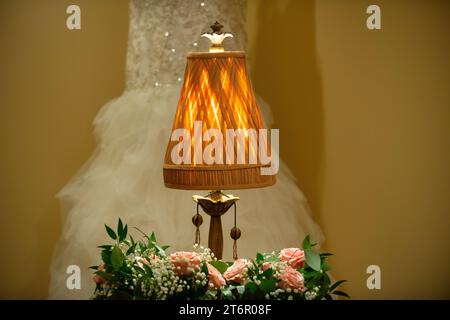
(215, 238)
(215, 204)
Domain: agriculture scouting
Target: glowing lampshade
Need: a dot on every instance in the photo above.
(216, 94)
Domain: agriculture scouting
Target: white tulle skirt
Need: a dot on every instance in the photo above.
(123, 178)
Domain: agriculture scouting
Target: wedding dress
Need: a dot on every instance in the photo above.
(123, 178)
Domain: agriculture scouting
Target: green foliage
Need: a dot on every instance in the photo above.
(111, 232)
(106, 256)
(340, 293)
(205, 268)
(251, 288)
(219, 265)
(122, 231)
(312, 259)
(259, 257)
(127, 272)
(307, 244)
(336, 284)
(117, 257)
(240, 289)
(226, 292)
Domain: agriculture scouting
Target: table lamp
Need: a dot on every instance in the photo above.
(218, 139)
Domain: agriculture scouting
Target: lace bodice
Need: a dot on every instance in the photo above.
(162, 32)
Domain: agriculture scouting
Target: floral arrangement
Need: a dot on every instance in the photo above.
(143, 270)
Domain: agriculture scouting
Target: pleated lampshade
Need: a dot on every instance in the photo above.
(217, 94)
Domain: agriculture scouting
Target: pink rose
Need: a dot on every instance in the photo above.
(295, 257)
(141, 261)
(97, 278)
(290, 278)
(185, 262)
(216, 280)
(238, 271)
(152, 257)
(266, 265)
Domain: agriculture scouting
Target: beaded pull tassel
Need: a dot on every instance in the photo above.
(235, 234)
(197, 220)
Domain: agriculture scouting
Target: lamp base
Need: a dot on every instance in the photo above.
(215, 204)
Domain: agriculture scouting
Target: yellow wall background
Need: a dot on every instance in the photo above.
(364, 119)
(52, 82)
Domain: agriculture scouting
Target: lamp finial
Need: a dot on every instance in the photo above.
(216, 37)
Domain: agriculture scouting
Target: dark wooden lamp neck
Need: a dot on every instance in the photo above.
(215, 204)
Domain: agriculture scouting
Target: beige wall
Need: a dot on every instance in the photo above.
(52, 82)
(364, 119)
(364, 123)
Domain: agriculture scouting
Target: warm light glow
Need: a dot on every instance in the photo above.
(218, 138)
(217, 91)
(216, 49)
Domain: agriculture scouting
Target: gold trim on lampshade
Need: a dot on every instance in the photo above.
(218, 92)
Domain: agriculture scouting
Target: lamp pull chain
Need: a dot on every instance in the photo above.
(197, 220)
(235, 235)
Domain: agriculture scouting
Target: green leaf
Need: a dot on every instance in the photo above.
(251, 287)
(125, 232)
(139, 269)
(326, 254)
(271, 258)
(160, 251)
(148, 270)
(106, 256)
(268, 285)
(165, 247)
(308, 274)
(227, 293)
(106, 246)
(219, 265)
(337, 284)
(117, 257)
(268, 273)
(326, 279)
(240, 289)
(306, 243)
(312, 259)
(341, 293)
(153, 237)
(120, 229)
(111, 232)
(205, 269)
(328, 297)
(142, 232)
(325, 266)
(131, 249)
(259, 257)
